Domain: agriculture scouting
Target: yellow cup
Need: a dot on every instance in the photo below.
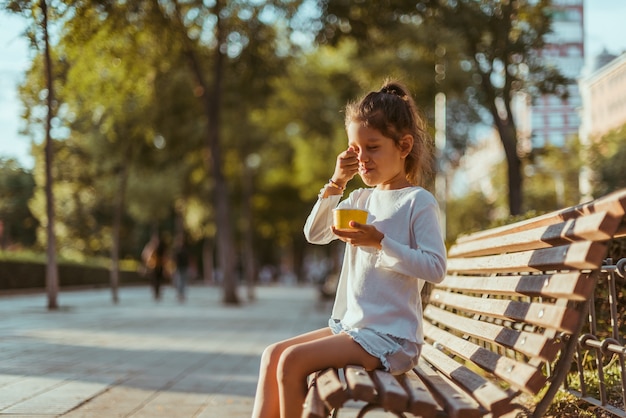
(342, 218)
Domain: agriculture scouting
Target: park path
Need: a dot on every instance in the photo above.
(143, 358)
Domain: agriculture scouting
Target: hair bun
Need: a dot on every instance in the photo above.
(395, 90)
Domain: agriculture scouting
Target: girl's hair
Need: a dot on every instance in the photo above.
(393, 112)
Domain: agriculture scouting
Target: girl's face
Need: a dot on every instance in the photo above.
(381, 161)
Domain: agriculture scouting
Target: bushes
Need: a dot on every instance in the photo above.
(15, 275)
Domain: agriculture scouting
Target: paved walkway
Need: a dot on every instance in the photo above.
(141, 358)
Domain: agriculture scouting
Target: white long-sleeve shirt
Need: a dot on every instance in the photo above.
(380, 289)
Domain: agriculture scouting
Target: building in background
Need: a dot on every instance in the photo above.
(603, 92)
(554, 120)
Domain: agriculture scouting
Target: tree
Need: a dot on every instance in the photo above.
(495, 42)
(52, 270)
(210, 97)
(131, 118)
(40, 38)
(109, 77)
(113, 99)
(220, 36)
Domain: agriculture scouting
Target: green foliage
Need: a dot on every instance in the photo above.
(129, 124)
(305, 121)
(36, 257)
(79, 204)
(550, 183)
(552, 178)
(468, 214)
(107, 125)
(17, 224)
(300, 131)
(607, 156)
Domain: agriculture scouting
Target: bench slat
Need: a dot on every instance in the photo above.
(360, 384)
(331, 389)
(421, 401)
(391, 395)
(613, 203)
(456, 403)
(484, 391)
(527, 343)
(313, 405)
(596, 227)
(520, 375)
(540, 314)
(573, 286)
(576, 256)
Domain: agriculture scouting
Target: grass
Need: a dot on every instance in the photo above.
(566, 404)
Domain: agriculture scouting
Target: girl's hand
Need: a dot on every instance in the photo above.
(346, 167)
(362, 235)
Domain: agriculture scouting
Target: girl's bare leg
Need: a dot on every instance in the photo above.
(299, 360)
(266, 401)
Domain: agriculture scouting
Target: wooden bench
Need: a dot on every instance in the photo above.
(502, 327)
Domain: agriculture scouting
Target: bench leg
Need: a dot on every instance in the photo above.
(370, 407)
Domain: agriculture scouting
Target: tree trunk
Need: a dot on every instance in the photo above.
(117, 227)
(508, 136)
(514, 169)
(52, 270)
(208, 271)
(211, 103)
(225, 249)
(249, 258)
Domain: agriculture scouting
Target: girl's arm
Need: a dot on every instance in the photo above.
(317, 227)
(428, 260)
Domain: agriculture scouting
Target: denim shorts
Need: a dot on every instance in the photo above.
(397, 355)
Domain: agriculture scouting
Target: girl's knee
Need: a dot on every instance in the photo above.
(289, 364)
(271, 354)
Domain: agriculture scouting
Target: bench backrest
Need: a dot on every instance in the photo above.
(514, 300)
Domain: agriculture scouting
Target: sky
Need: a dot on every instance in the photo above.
(604, 28)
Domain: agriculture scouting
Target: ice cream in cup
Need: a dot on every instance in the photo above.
(342, 218)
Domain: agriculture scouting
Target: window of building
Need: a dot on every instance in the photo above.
(538, 141)
(555, 120)
(537, 121)
(557, 139)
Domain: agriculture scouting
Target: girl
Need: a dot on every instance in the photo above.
(376, 320)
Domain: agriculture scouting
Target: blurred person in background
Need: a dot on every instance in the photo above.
(154, 257)
(181, 269)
